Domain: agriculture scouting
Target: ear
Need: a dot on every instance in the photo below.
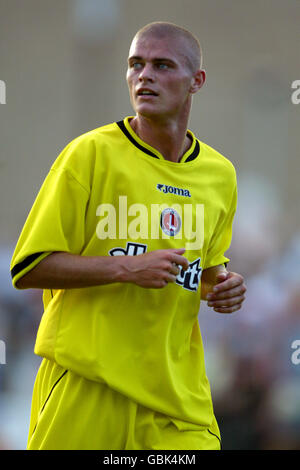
(198, 81)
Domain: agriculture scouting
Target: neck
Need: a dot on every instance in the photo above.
(168, 136)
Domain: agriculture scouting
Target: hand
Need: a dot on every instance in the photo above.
(228, 293)
(154, 269)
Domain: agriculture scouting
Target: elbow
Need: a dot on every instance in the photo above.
(19, 284)
(23, 282)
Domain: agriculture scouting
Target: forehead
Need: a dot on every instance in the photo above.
(149, 47)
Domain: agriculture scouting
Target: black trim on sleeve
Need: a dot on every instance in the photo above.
(26, 262)
(133, 141)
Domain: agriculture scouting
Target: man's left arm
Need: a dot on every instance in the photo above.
(224, 290)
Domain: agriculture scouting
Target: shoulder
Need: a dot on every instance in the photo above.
(216, 161)
(78, 157)
(82, 149)
(216, 157)
(93, 137)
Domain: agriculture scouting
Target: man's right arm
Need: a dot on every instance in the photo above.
(61, 270)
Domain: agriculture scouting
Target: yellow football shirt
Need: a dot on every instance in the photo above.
(111, 194)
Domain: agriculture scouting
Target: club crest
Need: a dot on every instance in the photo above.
(170, 222)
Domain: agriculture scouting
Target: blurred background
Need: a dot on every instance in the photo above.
(63, 63)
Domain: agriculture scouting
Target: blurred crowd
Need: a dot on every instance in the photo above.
(254, 376)
(252, 360)
(253, 355)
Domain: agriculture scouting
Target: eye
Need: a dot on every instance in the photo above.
(162, 66)
(136, 65)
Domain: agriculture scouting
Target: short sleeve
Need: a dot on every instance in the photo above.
(55, 222)
(221, 239)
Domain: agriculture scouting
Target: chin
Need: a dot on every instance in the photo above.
(148, 111)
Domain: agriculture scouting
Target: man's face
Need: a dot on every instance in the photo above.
(158, 76)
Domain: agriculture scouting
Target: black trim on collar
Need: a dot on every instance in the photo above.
(137, 144)
(122, 126)
(194, 154)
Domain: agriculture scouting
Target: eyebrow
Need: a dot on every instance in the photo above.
(155, 59)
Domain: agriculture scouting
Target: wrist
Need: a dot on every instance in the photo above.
(122, 273)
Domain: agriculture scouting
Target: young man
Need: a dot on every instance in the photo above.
(127, 234)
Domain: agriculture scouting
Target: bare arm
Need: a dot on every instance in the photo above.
(62, 270)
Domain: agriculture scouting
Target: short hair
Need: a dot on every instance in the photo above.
(162, 29)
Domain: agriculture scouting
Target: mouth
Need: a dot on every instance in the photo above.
(146, 92)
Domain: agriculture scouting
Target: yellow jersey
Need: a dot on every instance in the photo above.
(110, 194)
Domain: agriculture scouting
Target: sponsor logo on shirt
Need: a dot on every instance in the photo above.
(188, 279)
(132, 249)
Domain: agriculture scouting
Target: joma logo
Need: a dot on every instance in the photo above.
(164, 188)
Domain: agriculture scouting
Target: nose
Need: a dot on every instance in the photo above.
(146, 74)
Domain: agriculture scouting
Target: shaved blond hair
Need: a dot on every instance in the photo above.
(161, 30)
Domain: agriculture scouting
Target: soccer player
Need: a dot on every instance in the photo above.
(126, 235)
